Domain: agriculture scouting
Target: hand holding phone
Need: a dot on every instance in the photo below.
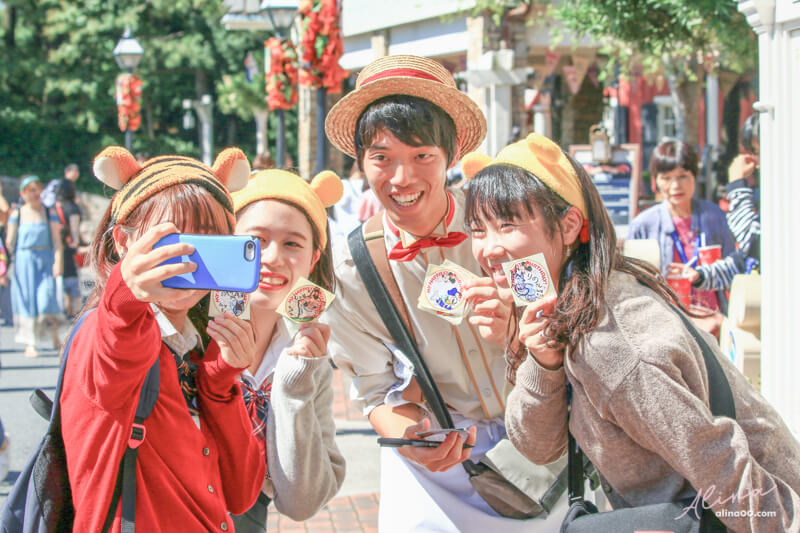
(397, 443)
(143, 267)
(224, 262)
(447, 454)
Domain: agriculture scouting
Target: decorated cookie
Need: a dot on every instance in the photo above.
(529, 279)
(305, 302)
(443, 291)
(235, 303)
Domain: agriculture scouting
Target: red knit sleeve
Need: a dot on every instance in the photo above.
(123, 339)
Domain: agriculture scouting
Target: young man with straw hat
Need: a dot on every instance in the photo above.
(406, 124)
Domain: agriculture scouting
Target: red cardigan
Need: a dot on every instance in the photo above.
(186, 479)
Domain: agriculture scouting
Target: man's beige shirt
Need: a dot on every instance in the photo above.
(469, 372)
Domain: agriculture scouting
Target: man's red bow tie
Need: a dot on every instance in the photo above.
(403, 253)
(453, 238)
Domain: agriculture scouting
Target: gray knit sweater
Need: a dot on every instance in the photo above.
(640, 413)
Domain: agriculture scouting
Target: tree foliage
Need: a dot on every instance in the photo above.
(57, 76)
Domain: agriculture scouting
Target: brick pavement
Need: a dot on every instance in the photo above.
(344, 514)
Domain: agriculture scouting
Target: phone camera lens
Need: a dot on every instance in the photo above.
(250, 250)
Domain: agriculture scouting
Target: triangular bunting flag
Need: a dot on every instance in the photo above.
(551, 58)
(571, 74)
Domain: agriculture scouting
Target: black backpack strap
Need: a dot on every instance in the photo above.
(126, 475)
(380, 296)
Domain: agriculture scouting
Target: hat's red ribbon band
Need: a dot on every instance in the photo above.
(397, 72)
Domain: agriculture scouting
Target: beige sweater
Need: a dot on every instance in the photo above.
(640, 413)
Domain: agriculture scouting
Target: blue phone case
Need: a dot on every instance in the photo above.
(224, 262)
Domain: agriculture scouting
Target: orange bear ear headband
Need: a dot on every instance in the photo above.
(116, 167)
(544, 159)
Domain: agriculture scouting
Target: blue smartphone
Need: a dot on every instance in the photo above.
(224, 262)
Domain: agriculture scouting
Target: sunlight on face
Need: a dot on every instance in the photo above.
(287, 248)
(495, 241)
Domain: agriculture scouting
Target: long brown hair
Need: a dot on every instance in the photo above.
(509, 192)
(190, 207)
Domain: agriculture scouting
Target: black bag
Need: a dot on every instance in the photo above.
(535, 489)
(41, 499)
(583, 517)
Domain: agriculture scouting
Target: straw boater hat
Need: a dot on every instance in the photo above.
(409, 75)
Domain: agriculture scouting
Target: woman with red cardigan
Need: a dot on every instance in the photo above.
(199, 458)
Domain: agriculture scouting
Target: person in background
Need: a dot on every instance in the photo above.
(34, 240)
(639, 401)
(681, 223)
(743, 192)
(262, 161)
(71, 175)
(6, 311)
(346, 212)
(69, 215)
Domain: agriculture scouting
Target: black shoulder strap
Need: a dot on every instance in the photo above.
(126, 475)
(720, 399)
(377, 288)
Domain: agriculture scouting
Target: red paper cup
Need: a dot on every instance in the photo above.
(682, 287)
(708, 254)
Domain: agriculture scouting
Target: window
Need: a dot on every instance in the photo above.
(665, 118)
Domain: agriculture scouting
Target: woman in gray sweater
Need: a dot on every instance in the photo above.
(288, 388)
(639, 407)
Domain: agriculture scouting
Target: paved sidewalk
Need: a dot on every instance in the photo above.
(345, 514)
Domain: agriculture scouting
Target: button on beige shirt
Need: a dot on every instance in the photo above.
(469, 371)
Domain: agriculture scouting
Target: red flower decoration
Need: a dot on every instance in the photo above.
(282, 75)
(129, 95)
(320, 46)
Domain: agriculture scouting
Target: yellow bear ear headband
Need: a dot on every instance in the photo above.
(544, 159)
(134, 183)
(274, 184)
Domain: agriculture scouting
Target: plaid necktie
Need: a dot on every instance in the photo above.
(257, 403)
(186, 378)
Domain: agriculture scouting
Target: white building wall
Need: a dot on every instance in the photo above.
(777, 24)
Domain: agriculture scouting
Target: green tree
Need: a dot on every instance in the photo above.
(57, 78)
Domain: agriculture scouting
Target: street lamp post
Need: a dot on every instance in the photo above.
(205, 111)
(281, 14)
(128, 53)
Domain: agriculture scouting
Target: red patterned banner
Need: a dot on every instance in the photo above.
(129, 95)
(321, 46)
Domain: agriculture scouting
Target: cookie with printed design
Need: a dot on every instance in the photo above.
(305, 302)
(443, 291)
(529, 279)
(235, 303)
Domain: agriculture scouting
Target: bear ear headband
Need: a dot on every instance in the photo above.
(544, 159)
(328, 187)
(115, 166)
